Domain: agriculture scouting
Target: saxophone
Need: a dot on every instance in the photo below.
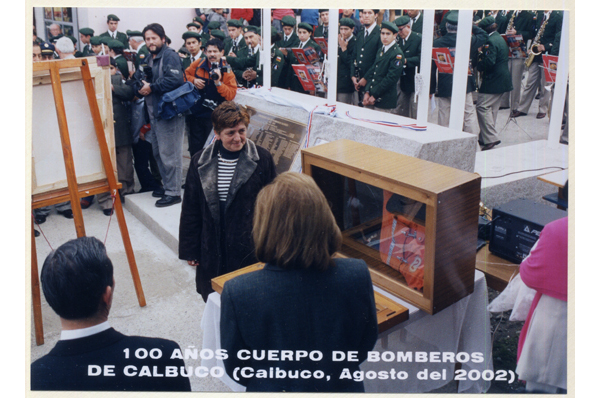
(535, 43)
(511, 21)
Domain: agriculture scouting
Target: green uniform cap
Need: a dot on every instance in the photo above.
(184, 50)
(134, 33)
(112, 17)
(389, 26)
(115, 44)
(86, 31)
(188, 35)
(487, 21)
(288, 20)
(214, 25)
(251, 28)
(401, 21)
(452, 18)
(235, 23)
(305, 26)
(74, 40)
(218, 34)
(199, 20)
(95, 40)
(347, 22)
(193, 24)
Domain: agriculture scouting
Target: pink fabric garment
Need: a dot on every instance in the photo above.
(279, 13)
(246, 13)
(546, 268)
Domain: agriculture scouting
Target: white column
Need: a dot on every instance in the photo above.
(425, 68)
(560, 86)
(332, 55)
(265, 54)
(461, 66)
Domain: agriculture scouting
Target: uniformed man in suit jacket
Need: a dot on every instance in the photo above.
(441, 83)
(495, 80)
(323, 29)
(410, 44)
(256, 73)
(137, 43)
(552, 22)
(380, 91)
(368, 42)
(113, 23)
(347, 47)
(85, 34)
(522, 25)
(78, 283)
(116, 51)
(235, 43)
(416, 20)
(305, 31)
(289, 39)
(192, 45)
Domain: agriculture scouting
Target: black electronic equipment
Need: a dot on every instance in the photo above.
(517, 225)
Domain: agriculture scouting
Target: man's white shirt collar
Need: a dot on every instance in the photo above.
(85, 332)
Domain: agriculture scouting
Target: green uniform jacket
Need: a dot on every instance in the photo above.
(238, 63)
(553, 27)
(344, 67)
(418, 25)
(277, 63)
(441, 83)
(501, 21)
(411, 50)
(383, 76)
(319, 32)
(122, 37)
(229, 46)
(523, 24)
(295, 84)
(122, 66)
(142, 55)
(366, 50)
(185, 63)
(493, 65)
(121, 94)
(284, 77)
(87, 51)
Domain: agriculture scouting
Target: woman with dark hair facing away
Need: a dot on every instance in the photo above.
(215, 230)
(303, 307)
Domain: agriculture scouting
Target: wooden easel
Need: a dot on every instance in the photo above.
(76, 191)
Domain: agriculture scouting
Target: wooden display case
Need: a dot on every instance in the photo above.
(414, 222)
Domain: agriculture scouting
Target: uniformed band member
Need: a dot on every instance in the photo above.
(416, 20)
(235, 43)
(410, 44)
(380, 90)
(113, 23)
(256, 73)
(251, 63)
(194, 27)
(304, 34)
(289, 40)
(368, 42)
(495, 80)
(441, 83)
(96, 44)
(192, 45)
(552, 22)
(522, 25)
(323, 29)
(116, 51)
(85, 34)
(346, 55)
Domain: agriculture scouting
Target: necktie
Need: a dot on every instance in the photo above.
(249, 51)
(285, 39)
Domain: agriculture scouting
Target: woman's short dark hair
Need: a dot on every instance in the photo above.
(293, 224)
(156, 28)
(75, 276)
(229, 114)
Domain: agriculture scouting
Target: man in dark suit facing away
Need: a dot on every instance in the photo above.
(77, 280)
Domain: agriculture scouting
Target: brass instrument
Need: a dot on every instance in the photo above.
(532, 54)
(511, 21)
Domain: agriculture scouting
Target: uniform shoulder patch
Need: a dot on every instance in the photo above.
(142, 56)
(398, 56)
(278, 59)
